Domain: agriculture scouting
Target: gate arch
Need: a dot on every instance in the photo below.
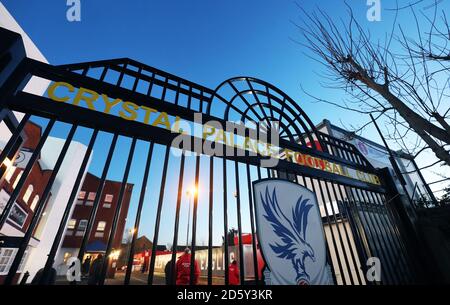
(264, 95)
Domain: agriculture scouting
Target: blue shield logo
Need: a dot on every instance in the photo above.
(290, 234)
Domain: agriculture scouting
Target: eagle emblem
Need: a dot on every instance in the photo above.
(291, 229)
(290, 234)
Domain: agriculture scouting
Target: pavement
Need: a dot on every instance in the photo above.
(139, 278)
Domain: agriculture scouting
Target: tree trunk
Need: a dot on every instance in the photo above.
(415, 121)
(438, 150)
(442, 121)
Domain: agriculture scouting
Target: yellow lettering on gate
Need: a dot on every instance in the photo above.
(89, 100)
(162, 119)
(148, 111)
(108, 104)
(52, 88)
(208, 131)
(249, 145)
(176, 126)
(129, 111)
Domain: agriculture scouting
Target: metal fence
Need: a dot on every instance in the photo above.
(357, 219)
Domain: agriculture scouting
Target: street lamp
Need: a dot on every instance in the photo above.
(191, 192)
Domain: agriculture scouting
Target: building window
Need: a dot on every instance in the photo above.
(107, 205)
(82, 195)
(17, 179)
(34, 203)
(82, 225)
(28, 193)
(6, 259)
(100, 229)
(101, 226)
(109, 198)
(91, 196)
(71, 224)
(10, 173)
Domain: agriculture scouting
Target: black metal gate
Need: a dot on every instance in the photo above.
(357, 218)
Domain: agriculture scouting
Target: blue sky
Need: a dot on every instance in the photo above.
(204, 41)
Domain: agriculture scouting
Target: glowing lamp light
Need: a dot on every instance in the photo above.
(193, 190)
(114, 254)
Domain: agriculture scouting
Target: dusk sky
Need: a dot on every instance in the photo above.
(206, 42)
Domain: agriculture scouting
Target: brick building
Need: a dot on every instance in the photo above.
(23, 210)
(101, 228)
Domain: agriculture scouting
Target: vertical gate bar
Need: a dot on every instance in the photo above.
(325, 235)
(378, 227)
(225, 220)
(14, 137)
(210, 218)
(396, 235)
(393, 215)
(373, 241)
(384, 227)
(136, 81)
(177, 94)
(177, 220)
(252, 224)
(391, 220)
(189, 98)
(115, 220)
(163, 96)
(151, 269)
(348, 155)
(341, 239)
(150, 84)
(25, 173)
(347, 235)
(295, 177)
(357, 229)
(389, 234)
(103, 75)
(98, 195)
(122, 72)
(333, 234)
(239, 220)
(201, 101)
(137, 220)
(365, 229)
(39, 209)
(68, 209)
(194, 220)
(304, 181)
(375, 237)
(398, 255)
